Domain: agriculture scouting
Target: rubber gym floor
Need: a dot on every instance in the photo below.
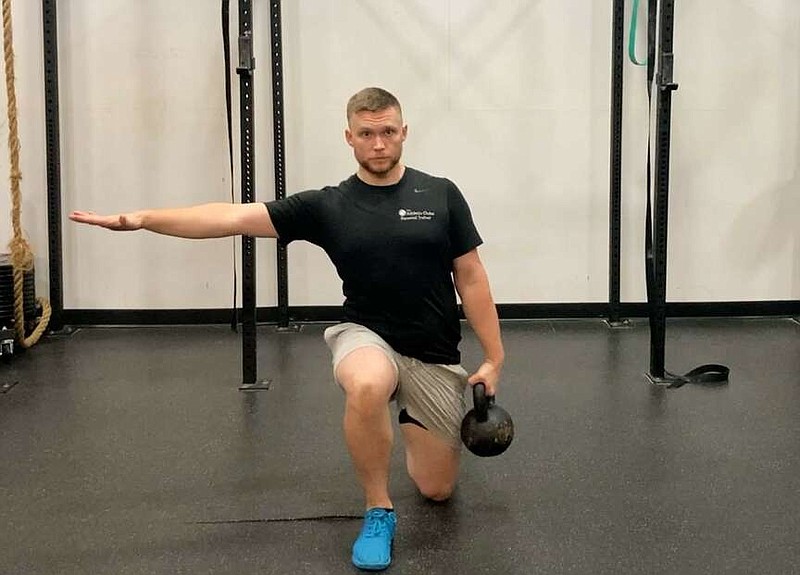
(132, 450)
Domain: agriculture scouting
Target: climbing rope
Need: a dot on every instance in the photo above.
(21, 254)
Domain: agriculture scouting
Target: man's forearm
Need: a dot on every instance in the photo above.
(213, 220)
(481, 313)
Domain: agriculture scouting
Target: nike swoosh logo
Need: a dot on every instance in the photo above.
(418, 191)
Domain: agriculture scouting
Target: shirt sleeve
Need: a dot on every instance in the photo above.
(297, 217)
(464, 236)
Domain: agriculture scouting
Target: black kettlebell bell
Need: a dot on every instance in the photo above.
(487, 429)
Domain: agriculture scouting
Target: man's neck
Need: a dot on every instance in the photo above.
(388, 179)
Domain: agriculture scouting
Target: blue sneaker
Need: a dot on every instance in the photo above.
(372, 550)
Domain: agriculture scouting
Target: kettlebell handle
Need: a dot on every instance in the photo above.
(481, 401)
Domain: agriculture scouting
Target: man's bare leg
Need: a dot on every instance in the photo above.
(432, 462)
(368, 378)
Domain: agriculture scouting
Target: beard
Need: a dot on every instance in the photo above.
(379, 168)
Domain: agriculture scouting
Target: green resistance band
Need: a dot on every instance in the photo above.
(632, 35)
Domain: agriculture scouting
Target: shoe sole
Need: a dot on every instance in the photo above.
(372, 567)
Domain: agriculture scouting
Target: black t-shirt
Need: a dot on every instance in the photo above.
(393, 247)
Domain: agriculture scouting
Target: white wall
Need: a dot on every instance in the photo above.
(509, 99)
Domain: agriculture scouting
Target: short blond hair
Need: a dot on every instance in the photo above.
(371, 100)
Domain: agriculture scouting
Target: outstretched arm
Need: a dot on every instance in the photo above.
(472, 285)
(214, 220)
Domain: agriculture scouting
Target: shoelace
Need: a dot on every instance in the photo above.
(376, 524)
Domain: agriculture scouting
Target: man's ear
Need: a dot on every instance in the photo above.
(348, 137)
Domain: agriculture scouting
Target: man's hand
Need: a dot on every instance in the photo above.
(488, 374)
(119, 222)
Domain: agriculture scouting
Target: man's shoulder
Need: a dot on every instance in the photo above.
(325, 193)
(419, 178)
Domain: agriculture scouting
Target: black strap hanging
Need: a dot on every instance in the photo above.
(226, 44)
(656, 235)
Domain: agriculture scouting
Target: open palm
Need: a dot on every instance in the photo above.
(118, 222)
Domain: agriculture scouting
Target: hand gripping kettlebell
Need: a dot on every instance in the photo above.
(487, 429)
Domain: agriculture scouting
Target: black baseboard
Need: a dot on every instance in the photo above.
(307, 314)
(784, 308)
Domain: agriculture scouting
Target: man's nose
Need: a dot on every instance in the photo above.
(378, 144)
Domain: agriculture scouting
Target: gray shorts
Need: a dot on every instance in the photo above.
(431, 393)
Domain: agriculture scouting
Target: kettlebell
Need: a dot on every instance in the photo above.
(487, 429)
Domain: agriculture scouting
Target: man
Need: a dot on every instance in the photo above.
(401, 241)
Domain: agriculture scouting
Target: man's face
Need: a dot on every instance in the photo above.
(377, 139)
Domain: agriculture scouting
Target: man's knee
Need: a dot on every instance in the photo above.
(432, 486)
(436, 491)
(364, 390)
(367, 376)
